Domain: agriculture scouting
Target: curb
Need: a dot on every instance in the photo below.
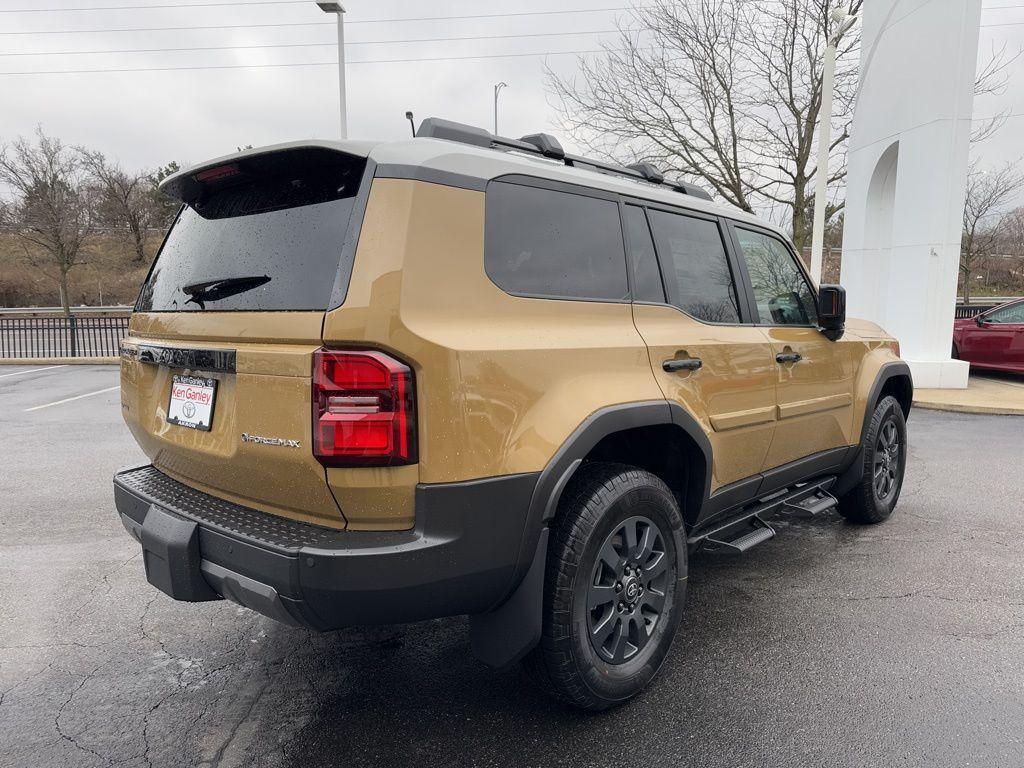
(60, 361)
(992, 410)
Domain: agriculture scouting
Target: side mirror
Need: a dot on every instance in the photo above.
(832, 311)
(980, 321)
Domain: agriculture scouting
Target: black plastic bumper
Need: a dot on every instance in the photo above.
(461, 558)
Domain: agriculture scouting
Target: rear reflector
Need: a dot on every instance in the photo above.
(364, 409)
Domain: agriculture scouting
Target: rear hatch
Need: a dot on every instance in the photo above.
(216, 370)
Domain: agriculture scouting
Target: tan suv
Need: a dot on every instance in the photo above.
(465, 374)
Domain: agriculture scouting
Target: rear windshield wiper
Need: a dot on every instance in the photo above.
(215, 290)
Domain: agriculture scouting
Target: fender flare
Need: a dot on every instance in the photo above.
(891, 370)
(854, 466)
(504, 635)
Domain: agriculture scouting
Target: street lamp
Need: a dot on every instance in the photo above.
(497, 90)
(408, 116)
(339, 10)
(828, 79)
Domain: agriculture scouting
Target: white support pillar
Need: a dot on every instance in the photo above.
(907, 174)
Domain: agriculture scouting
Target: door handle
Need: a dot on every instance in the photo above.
(788, 357)
(689, 364)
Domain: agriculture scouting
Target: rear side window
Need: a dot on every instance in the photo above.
(556, 245)
(263, 235)
(697, 274)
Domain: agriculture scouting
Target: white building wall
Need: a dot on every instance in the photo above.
(907, 174)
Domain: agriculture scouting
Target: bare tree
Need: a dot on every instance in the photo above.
(123, 199)
(162, 207)
(988, 193)
(52, 214)
(991, 80)
(723, 92)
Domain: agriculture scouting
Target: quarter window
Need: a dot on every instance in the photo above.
(545, 243)
(781, 291)
(697, 275)
(643, 260)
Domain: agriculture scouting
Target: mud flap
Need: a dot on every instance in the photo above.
(505, 635)
(170, 552)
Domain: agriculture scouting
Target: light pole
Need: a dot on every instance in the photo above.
(339, 10)
(828, 79)
(497, 90)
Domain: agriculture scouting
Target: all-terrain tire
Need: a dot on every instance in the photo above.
(581, 659)
(884, 457)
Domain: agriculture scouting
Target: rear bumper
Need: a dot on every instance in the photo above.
(461, 558)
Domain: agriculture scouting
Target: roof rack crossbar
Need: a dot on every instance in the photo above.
(548, 146)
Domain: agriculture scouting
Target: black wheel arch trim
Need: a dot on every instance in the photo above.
(512, 629)
(567, 459)
(888, 371)
(855, 460)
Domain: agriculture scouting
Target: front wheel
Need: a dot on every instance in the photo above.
(884, 456)
(614, 587)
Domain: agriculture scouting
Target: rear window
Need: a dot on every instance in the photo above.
(557, 245)
(263, 235)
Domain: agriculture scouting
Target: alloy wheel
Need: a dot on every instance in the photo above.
(887, 460)
(627, 590)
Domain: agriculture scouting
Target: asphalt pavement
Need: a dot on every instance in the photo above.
(830, 645)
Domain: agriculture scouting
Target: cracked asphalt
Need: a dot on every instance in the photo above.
(830, 645)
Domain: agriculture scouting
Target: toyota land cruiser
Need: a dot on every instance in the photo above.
(467, 374)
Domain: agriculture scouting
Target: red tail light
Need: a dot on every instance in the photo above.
(364, 409)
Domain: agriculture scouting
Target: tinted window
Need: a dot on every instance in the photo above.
(260, 243)
(646, 275)
(697, 274)
(1011, 314)
(780, 289)
(554, 244)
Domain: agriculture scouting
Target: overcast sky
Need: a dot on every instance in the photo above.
(149, 118)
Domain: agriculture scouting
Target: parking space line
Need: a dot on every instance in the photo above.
(33, 370)
(70, 399)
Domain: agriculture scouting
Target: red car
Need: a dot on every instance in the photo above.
(994, 339)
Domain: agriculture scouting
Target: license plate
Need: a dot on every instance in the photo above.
(191, 404)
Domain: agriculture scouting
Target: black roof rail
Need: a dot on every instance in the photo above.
(548, 146)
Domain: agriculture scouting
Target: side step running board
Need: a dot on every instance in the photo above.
(815, 504)
(747, 527)
(751, 532)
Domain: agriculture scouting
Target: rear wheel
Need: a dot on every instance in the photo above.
(614, 587)
(884, 456)
(955, 353)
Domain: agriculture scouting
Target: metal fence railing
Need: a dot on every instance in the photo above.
(971, 310)
(62, 336)
(977, 306)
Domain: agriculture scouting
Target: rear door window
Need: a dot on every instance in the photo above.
(267, 238)
(552, 244)
(696, 268)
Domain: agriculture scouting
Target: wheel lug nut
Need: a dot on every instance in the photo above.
(618, 586)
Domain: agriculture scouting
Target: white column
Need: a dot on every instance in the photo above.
(907, 174)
